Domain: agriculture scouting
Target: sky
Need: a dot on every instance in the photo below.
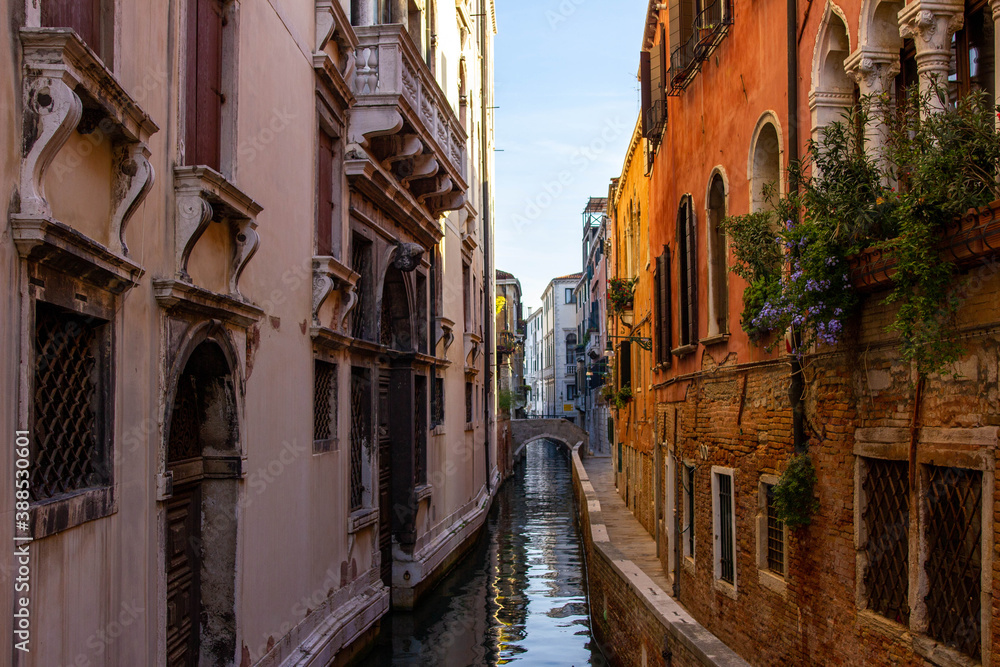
(568, 98)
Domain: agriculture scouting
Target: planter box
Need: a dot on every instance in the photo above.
(964, 242)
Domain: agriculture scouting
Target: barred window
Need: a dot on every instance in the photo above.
(885, 516)
(689, 478)
(324, 406)
(361, 432)
(437, 402)
(775, 534)
(361, 263)
(725, 558)
(468, 403)
(953, 507)
(70, 405)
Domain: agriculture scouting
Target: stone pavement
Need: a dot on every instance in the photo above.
(624, 529)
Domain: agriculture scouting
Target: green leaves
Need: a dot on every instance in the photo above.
(793, 494)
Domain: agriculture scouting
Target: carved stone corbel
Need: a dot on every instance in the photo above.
(194, 214)
(403, 147)
(451, 201)
(444, 329)
(424, 166)
(326, 22)
(52, 112)
(134, 176)
(407, 256)
(247, 242)
(442, 187)
(368, 122)
(330, 275)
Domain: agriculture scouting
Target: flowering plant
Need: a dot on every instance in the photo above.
(621, 294)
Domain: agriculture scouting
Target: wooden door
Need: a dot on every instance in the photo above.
(203, 120)
(384, 479)
(183, 576)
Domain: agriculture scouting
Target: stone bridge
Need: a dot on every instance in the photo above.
(561, 431)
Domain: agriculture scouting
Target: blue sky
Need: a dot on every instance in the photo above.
(568, 96)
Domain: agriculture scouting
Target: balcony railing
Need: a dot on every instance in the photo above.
(710, 27)
(405, 118)
(507, 342)
(656, 120)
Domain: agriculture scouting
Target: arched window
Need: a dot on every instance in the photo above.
(718, 258)
(687, 265)
(765, 166)
(833, 91)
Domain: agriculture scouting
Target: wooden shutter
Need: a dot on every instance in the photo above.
(324, 194)
(646, 81)
(83, 16)
(663, 333)
(625, 365)
(203, 117)
(691, 266)
(667, 313)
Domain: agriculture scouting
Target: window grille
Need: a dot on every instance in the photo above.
(728, 566)
(361, 264)
(437, 402)
(886, 517)
(361, 431)
(953, 506)
(468, 402)
(325, 402)
(185, 439)
(68, 409)
(775, 535)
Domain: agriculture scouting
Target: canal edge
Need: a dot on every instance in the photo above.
(625, 630)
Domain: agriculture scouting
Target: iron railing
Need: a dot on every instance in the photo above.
(710, 27)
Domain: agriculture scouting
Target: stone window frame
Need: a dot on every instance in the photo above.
(765, 576)
(367, 513)
(110, 12)
(718, 584)
(47, 285)
(970, 448)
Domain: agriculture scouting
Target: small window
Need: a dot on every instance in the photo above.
(327, 194)
(361, 263)
(70, 412)
(361, 432)
(437, 402)
(954, 560)
(570, 392)
(773, 534)
(885, 520)
(724, 528)
(569, 296)
(324, 407)
(469, 414)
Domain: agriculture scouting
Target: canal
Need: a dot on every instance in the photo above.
(520, 595)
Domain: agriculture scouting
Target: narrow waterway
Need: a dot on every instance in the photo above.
(519, 596)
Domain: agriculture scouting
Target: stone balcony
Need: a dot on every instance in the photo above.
(411, 138)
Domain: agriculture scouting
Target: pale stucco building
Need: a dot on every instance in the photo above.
(248, 321)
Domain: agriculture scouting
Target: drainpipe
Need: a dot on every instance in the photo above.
(796, 388)
(488, 304)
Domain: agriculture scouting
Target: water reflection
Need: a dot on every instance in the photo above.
(519, 596)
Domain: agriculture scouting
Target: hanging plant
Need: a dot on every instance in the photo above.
(619, 398)
(621, 294)
(793, 494)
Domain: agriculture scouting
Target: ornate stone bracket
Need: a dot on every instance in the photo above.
(53, 111)
(203, 196)
(407, 256)
(473, 347)
(134, 177)
(444, 328)
(329, 275)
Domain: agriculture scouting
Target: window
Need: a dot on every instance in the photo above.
(437, 402)
(766, 173)
(420, 428)
(664, 306)
(361, 263)
(570, 392)
(625, 365)
(952, 507)
(718, 274)
(571, 349)
(771, 537)
(324, 407)
(422, 323)
(469, 415)
(83, 16)
(688, 482)
(569, 296)
(327, 192)
(885, 520)
(361, 432)
(687, 252)
(466, 296)
(204, 91)
(973, 64)
(71, 406)
(724, 525)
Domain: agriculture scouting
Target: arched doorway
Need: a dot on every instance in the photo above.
(203, 460)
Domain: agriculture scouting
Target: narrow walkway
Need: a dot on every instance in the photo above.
(624, 529)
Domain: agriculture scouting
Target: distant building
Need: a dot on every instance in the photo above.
(510, 345)
(592, 360)
(533, 363)
(559, 342)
